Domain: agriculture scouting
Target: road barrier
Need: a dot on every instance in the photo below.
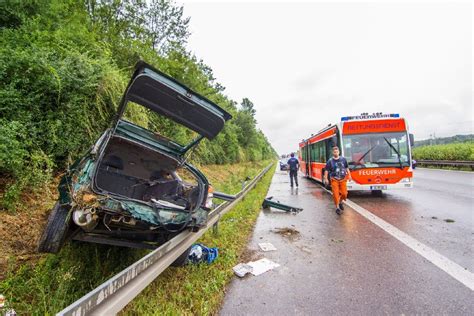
(446, 163)
(113, 295)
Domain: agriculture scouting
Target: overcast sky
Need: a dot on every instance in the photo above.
(304, 65)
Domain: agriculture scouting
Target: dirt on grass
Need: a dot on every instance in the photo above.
(21, 229)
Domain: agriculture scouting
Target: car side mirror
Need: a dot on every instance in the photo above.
(412, 140)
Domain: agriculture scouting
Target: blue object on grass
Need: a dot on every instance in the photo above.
(200, 253)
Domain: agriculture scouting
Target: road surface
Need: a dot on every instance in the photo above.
(419, 259)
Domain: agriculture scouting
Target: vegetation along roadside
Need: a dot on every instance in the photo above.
(449, 152)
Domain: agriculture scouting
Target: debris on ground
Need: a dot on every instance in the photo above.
(242, 269)
(269, 202)
(434, 217)
(305, 249)
(337, 240)
(255, 267)
(200, 253)
(287, 232)
(250, 255)
(448, 220)
(266, 246)
(261, 266)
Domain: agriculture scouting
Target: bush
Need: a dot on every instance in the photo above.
(456, 151)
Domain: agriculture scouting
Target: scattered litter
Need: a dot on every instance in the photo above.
(200, 253)
(287, 232)
(434, 217)
(448, 220)
(261, 266)
(337, 240)
(266, 246)
(2, 301)
(269, 202)
(242, 269)
(255, 267)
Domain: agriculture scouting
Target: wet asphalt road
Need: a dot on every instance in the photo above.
(348, 265)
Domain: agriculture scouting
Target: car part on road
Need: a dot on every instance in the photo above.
(269, 202)
(266, 246)
(242, 269)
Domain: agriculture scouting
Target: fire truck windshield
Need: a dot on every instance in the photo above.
(376, 150)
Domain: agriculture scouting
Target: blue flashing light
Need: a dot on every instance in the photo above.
(365, 116)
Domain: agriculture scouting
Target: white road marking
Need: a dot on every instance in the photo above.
(453, 269)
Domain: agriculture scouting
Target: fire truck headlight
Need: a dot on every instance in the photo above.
(405, 180)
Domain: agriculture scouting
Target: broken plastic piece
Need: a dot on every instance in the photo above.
(261, 266)
(266, 246)
(242, 269)
(269, 202)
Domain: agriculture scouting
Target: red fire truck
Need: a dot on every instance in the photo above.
(377, 148)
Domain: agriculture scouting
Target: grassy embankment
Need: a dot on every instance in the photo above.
(44, 284)
(455, 151)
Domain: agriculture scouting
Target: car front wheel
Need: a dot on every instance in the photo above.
(56, 229)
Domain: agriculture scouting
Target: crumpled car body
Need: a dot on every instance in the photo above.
(128, 189)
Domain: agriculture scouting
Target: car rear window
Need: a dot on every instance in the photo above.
(158, 124)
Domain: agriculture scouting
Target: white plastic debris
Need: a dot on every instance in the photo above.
(262, 266)
(266, 246)
(242, 269)
(2, 301)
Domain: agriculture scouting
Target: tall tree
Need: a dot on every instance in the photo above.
(166, 25)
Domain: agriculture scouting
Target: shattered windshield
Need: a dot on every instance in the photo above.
(376, 150)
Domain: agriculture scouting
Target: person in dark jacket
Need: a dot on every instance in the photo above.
(294, 165)
(338, 170)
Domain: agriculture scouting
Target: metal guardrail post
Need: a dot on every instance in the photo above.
(112, 296)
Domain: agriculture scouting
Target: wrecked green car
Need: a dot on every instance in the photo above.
(134, 188)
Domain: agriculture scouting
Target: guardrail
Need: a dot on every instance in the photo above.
(446, 163)
(113, 295)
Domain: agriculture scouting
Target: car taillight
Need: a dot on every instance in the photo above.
(210, 195)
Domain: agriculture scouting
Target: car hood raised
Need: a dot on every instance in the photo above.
(164, 95)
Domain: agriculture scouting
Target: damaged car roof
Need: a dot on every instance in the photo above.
(164, 95)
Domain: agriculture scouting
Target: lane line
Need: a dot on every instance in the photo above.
(450, 267)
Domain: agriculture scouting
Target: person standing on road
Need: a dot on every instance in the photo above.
(294, 166)
(338, 169)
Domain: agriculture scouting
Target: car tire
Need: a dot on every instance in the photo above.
(56, 230)
(182, 260)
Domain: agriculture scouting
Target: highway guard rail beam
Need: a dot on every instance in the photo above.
(446, 163)
(112, 296)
